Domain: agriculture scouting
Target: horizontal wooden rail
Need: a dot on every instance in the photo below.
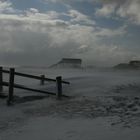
(33, 76)
(30, 89)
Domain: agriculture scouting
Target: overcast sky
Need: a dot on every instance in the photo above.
(41, 32)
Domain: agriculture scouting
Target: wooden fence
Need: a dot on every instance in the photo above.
(11, 84)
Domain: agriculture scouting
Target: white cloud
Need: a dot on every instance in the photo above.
(35, 14)
(76, 16)
(129, 9)
(32, 37)
(51, 40)
(106, 10)
(33, 10)
(104, 32)
(6, 7)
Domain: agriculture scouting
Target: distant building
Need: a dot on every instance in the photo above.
(135, 64)
(68, 63)
(122, 66)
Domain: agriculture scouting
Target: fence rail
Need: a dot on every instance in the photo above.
(11, 84)
(33, 76)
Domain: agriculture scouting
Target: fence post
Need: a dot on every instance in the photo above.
(59, 87)
(1, 80)
(11, 86)
(42, 81)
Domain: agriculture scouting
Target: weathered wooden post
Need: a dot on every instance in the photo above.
(42, 81)
(59, 87)
(11, 86)
(1, 79)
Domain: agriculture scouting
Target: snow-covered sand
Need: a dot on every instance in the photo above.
(105, 105)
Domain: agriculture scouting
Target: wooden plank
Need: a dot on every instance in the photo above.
(11, 86)
(30, 89)
(59, 87)
(1, 79)
(3, 95)
(34, 77)
(42, 81)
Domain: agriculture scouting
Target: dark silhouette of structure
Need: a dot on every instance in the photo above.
(68, 63)
(134, 64)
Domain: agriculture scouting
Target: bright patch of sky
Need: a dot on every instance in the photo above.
(40, 32)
